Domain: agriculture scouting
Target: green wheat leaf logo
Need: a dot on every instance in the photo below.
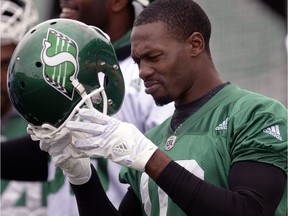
(60, 59)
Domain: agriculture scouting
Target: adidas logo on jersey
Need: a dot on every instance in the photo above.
(274, 131)
(120, 149)
(223, 125)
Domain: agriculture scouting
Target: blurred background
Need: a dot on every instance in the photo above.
(247, 43)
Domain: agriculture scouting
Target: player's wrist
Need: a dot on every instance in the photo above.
(156, 164)
(140, 148)
(78, 171)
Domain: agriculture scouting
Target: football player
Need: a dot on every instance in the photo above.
(223, 151)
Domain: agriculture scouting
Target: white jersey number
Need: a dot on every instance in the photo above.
(190, 165)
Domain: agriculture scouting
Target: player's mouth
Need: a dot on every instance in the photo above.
(151, 86)
(69, 13)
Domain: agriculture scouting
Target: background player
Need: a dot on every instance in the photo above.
(17, 197)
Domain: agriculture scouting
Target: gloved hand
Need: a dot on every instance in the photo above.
(63, 154)
(110, 138)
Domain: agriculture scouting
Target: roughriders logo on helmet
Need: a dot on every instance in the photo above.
(48, 66)
(60, 66)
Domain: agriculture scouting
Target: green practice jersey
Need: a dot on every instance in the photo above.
(235, 125)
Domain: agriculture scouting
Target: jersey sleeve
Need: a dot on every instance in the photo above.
(260, 133)
(130, 176)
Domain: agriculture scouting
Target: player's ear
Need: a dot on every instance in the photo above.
(196, 43)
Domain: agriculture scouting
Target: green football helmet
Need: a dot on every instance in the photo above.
(61, 65)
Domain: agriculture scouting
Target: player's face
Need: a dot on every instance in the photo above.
(91, 12)
(6, 53)
(164, 63)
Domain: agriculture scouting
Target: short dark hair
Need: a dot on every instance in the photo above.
(182, 18)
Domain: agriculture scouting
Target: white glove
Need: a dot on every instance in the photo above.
(63, 154)
(110, 138)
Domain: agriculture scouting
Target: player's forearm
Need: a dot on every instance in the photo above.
(255, 189)
(92, 199)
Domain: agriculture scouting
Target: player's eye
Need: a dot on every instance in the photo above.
(154, 58)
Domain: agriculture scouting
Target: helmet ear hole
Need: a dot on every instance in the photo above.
(38, 64)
